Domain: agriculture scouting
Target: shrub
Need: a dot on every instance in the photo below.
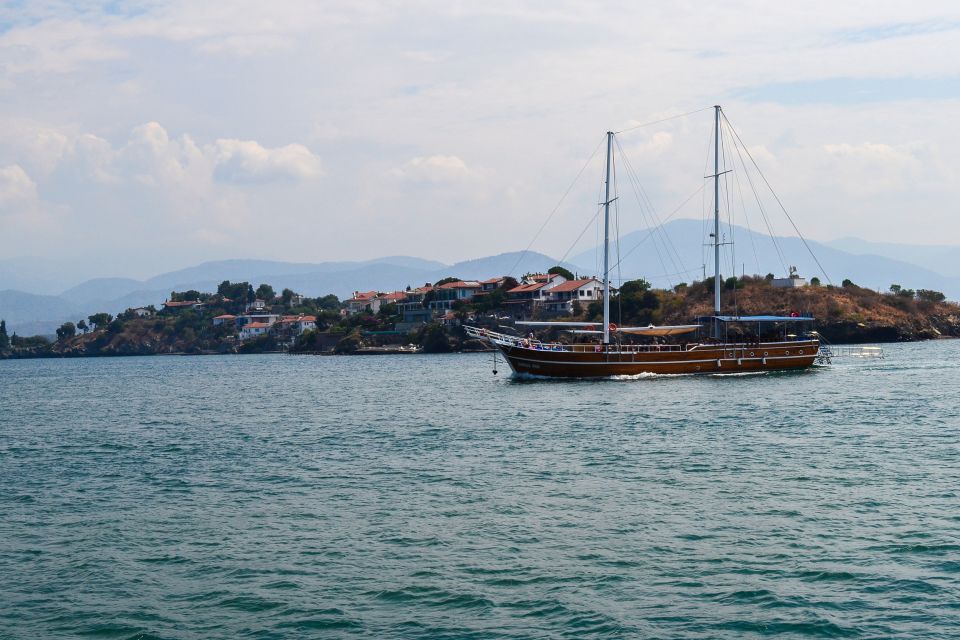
(928, 295)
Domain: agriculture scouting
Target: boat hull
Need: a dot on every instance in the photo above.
(700, 359)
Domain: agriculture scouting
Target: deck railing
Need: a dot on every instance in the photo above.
(516, 341)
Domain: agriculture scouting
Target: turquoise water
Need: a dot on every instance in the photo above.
(422, 497)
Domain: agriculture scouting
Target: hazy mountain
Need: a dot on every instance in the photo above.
(39, 275)
(101, 289)
(24, 311)
(676, 253)
(944, 259)
(664, 257)
(29, 314)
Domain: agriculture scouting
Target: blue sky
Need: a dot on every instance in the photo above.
(138, 137)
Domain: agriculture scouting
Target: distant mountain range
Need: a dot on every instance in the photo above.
(29, 313)
(665, 257)
(677, 253)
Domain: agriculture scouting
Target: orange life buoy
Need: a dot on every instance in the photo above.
(613, 328)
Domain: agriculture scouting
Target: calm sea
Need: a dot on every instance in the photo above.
(423, 497)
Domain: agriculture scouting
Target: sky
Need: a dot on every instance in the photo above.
(140, 137)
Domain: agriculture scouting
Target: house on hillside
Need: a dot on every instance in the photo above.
(256, 318)
(394, 297)
(793, 281)
(532, 292)
(561, 298)
(177, 305)
(492, 284)
(365, 301)
(256, 305)
(411, 309)
(253, 330)
(289, 327)
(226, 318)
(141, 312)
(447, 294)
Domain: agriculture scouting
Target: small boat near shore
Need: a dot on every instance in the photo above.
(719, 343)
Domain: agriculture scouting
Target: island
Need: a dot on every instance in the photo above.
(240, 319)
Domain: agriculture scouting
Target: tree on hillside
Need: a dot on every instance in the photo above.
(82, 325)
(847, 283)
(637, 302)
(4, 338)
(814, 281)
(99, 320)
(329, 302)
(895, 289)
(287, 296)
(560, 271)
(184, 296)
(236, 291)
(265, 292)
(66, 330)
(928, 295)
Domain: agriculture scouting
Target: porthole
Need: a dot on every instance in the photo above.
(786, 353)
(800, 352)
(765, 354)
(751, 354)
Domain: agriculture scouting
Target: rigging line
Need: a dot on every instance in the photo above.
(647, 124)
(557, 207)
(589, 222)
(782, 208)
(703, 203)
(746, 217)
(689, 198)
(650, 224)
(726, 192)
(726, 195)
(596, 245)
(616, 209)
(763, 213)
(644, 200)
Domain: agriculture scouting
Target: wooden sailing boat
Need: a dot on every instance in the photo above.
(713, 354)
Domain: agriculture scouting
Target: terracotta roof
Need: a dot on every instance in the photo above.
(572, 285)
(308, 319)
(225, 316)
(460, 284)
(396, 295)
(256, 325)
(527, 288)
(364, 296)
(493, 280)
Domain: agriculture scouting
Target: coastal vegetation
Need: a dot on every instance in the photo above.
(188, 323)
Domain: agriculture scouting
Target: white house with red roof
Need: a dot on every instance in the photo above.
(363, 301)
(253, 330)
(561, 297)
(288, 327)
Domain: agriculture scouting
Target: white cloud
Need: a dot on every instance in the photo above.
(18, 191)
(436, 168)
(246, 160)
(445, 113)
